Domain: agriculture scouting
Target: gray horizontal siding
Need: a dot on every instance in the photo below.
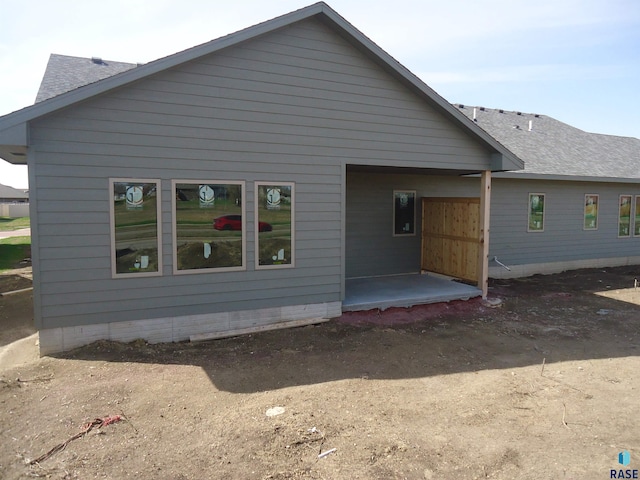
(371, 248)
(564, 238)
(294, 105)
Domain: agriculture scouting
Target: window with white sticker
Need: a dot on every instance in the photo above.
(209, 226)
(274, 225)
(135, 227)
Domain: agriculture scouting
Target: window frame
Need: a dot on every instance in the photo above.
(256, 222)
(174, 223)
(112, 225)
(631, 213)
(530, 211)
(635, 213)
(412, 193)
(597, 209)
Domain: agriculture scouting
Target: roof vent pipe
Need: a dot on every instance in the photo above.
(530, 125)
(475, 118)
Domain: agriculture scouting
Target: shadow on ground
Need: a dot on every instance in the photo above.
(542, 320)
(16, 315)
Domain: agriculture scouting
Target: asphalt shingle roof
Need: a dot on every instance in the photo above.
(551, 147)
(65, 73)
(10, 192)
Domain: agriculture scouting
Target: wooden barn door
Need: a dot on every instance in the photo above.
(451, 236)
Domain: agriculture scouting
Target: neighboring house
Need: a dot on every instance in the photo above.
(13, 195)
(576, 204)
(242, 183)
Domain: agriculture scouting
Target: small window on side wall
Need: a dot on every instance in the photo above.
(624, 216)
(404, 213)
(591, 211)
(209, 226)
(536, 212)
(135, 227)
(275, 225)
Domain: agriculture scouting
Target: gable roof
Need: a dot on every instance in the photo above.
(556, 150)
(14, 126)
(65, 73)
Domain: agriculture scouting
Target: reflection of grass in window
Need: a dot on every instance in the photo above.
(269, 248)
(135, 216)
(136, 235)
(224, 254)
(275, 217)
(270, 243)
(623, 226)
(535, 221)
(126, 260)
(637, 225)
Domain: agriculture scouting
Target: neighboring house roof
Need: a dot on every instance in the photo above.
(551, 148)
(13, 127)
(66, 73)
(10, 192)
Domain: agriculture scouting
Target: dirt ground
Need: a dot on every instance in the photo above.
(543, 386)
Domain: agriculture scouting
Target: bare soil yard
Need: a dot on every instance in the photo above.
(545, 386)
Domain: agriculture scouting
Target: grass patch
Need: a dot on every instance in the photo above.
(9, 224)
(12, 251)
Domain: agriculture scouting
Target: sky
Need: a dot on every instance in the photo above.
(575, 60)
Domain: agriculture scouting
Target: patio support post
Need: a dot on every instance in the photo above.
(483, 251)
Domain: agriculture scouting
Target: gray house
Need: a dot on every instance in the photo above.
(247, 183)
(576, 204)
(13, 195)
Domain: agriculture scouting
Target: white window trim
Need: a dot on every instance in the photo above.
(292, 264)
(174, 220)
(112, 226)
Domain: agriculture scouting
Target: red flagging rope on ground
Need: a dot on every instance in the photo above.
(86, 428)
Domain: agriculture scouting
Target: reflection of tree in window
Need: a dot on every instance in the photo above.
(536, 212)
(624, 216)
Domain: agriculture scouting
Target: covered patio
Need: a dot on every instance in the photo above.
(403, 291)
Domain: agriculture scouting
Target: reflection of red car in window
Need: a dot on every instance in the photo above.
(234, 222)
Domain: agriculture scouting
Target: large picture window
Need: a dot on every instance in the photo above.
(624, 216)
(536, 212)
(135, 227)
(209, 226)
(274, 225)
(591, 212)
